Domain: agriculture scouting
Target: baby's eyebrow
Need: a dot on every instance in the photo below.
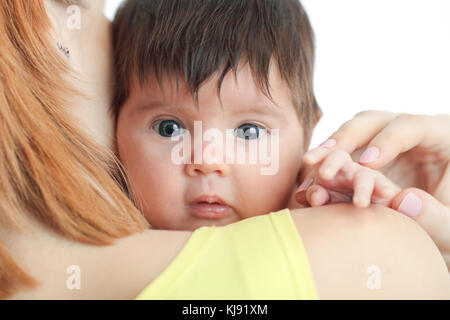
(149, 105)
(254, 108)
(261, 109)
(257, 108)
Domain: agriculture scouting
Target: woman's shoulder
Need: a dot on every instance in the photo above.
(373, 253)
(139, 259)
(69, 270)
(353, 253)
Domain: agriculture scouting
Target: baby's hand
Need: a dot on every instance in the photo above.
(334, 177)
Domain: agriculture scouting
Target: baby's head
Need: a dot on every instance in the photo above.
(214, 106)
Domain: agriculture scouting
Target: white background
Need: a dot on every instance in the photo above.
(376, 54)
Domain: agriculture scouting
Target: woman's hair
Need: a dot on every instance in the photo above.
(49, 170)
(195, 39)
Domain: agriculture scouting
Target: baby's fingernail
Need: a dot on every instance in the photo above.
(371, 154)
(330, 143)
(411, 205)
(305, 185)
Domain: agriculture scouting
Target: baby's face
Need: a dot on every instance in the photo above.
(212, 165)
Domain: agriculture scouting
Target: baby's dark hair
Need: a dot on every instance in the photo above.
(195, 39)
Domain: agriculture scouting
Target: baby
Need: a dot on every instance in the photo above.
(215, 108)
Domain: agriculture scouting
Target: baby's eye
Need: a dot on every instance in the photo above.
(249, 131)
(168, 128)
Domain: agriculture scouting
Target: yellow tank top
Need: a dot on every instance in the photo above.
(258, 258)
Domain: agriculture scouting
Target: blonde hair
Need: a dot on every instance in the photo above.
(49, 170)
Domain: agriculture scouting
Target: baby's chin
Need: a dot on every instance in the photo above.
(196, 223)
(189, 222)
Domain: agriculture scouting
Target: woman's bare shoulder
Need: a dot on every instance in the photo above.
(65, 269)
(362, 254)
(132, 263)
(373, 253)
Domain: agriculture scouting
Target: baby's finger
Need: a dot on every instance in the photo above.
(363, 185)
(340, 197)
(423, 131)
(358, 131)
(385, 188)
(300, 193)
(317, 196)
(315, 155)
(333, 162)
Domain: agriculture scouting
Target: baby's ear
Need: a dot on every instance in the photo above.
(319, 115)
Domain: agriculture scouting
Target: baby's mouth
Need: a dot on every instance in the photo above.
(209, 207)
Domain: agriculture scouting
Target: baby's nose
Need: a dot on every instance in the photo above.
(207, 159)
(204, 168)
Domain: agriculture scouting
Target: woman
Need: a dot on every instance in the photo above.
(59, 206)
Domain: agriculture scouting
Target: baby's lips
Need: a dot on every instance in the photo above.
(214, 211)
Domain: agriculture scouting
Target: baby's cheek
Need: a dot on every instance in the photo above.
(289, 167)
(157, 184)
(162, 197)
(261, 194)
(263, 191)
